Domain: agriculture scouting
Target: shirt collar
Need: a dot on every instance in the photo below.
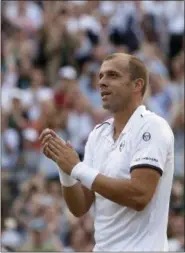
(133, 120)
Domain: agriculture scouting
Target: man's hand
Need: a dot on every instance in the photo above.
(44, 138)
(60, 152)
(63, 154)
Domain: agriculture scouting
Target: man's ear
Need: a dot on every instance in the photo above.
(138, 85)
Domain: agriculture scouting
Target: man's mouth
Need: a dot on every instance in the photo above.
(105, 94)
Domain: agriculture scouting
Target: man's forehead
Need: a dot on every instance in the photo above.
(116, 63)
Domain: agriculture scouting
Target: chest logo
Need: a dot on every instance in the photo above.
(146, 136)
(121, 146)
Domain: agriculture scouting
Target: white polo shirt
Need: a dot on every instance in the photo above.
(146, 141)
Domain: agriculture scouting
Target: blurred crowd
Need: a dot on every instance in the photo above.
(50, 57)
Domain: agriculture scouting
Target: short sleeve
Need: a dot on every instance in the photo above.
(152, 148)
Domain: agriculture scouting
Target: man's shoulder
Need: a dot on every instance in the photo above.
(152, 118)
(102, 128)
(102, 125)
(157, 124)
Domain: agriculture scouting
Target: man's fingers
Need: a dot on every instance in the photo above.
(53, 133)
(69, 144)
(54, 147)
(46, 132)
(53, 142)
(46, 139)
(44, 148)
(51, 154)
(60, 141)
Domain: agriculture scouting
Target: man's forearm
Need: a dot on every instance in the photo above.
(125, 192)
(131, 193)
(78, 199)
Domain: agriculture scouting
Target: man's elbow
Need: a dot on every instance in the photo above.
(140, 204)
(140, 207)
(78, 213)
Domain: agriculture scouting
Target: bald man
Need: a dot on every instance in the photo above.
(128, 164)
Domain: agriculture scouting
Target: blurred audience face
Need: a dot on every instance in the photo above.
(94, 81)
(156, 83)
(34, 206)
(16, 104)
(4, 122)
(48, 107)
(178, 66)
(67, 84)
(54, 189)
(49, 117)
(37, 78)
(51, 214)
(72, 93)
(62, 119)
(26, 67)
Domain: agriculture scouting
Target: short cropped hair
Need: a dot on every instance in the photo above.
(136, 68)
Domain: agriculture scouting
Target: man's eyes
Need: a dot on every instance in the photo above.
(110, 74)
(113, 74)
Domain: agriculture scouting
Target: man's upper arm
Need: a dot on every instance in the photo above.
(146, 179)
(149, 159)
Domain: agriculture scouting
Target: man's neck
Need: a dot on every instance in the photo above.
(121, 118)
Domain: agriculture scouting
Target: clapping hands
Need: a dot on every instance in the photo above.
(60, 152)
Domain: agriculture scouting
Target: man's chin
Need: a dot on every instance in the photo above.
(106, 107)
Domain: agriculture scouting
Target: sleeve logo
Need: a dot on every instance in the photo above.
(146, 136)
(146, 158)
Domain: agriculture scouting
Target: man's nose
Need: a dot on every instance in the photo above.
(102, 84)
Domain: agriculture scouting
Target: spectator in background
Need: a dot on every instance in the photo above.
(88, 83)
(59, 44)
(175, 25)
(177, 112)
(124, 28)
(18, 115)
(10, 144)
(79, 119)
(50, 118)
(154, 23)
(160, 100)
(24, 15)
(25, 70)
(36, 93)
(30, 155)
(10, 237)
(40, 238)
(67, 79)
(79, 240)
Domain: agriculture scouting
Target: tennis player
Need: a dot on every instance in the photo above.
(128, 165)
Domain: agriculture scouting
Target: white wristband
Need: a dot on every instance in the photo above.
(84, 174)
(65, 179)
